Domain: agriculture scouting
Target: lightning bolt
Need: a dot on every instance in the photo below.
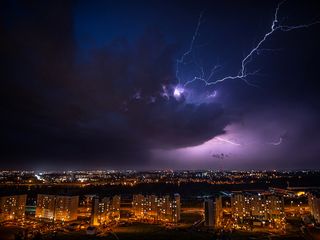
(276, 143)
(227, 141)
(256, 50)
(212, 95)
(190, 50)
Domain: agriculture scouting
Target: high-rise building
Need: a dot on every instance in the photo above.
(12, 207)
(274, 207)
(209, 213)
(239, 206)
(115, 207)
(166, 209)
(154, 208)
(138, 206)
(176, 207)
(151, 207)
(213, 212)
(57, 208)
(45, 207)
(314, 204)
(105, 210)
(218, 211)
(256, 206)
(85, 206)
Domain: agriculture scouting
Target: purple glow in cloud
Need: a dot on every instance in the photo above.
(248, 142)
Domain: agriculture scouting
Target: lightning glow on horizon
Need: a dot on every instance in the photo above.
(243, 74)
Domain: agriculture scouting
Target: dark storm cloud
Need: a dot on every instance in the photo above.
(57, 109)
(169, 124)
(90, 85)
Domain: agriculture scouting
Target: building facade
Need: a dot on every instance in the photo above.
(105, 210)
(154, 208)
(257, 206)
(314, 204)
(57, 208)
(85, 206)
(209, 213)
(213, 212)
(12, 207)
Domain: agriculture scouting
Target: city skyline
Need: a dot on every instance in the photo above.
(218, 85)
(159, 205)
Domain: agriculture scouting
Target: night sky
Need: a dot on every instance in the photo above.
(94, 85)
